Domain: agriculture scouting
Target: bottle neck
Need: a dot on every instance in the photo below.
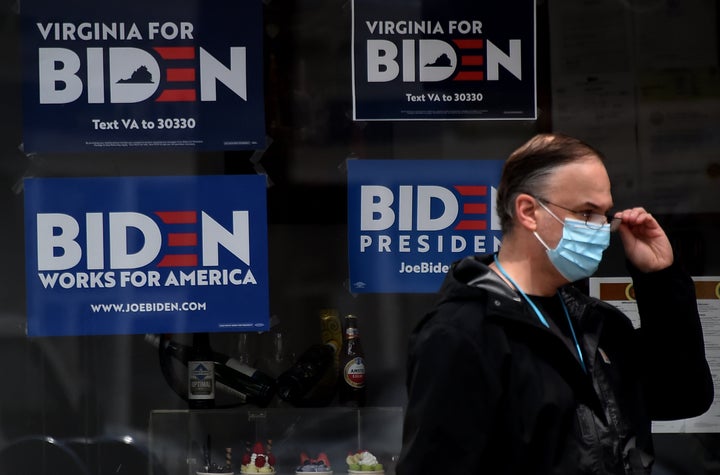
(201, 341)
(278, 350)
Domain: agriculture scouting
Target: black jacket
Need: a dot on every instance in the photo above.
(492, 391)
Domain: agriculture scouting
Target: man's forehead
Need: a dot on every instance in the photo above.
(583, 181)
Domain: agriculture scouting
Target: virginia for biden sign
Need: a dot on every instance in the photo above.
(146, 255)
(410, 219)
(119, 74)
(440, 60)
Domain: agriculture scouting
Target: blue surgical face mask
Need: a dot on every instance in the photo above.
(579, 252)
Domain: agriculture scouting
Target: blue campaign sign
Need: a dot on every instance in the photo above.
(408, 220)
(132, 255)
(133, 74)
(440, 60)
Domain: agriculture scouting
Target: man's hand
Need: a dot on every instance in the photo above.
(646, 244)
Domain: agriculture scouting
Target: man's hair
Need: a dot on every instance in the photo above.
(528, 168)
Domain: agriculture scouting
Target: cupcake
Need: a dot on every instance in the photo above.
(321, 464)
(258, 460)
(363, 462)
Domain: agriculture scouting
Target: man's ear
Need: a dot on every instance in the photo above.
(525, 208)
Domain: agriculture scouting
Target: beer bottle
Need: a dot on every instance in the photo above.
(312, 380)
(297, 383)
(247, 384)
(331, 334)
(201, 373)
(352, 366)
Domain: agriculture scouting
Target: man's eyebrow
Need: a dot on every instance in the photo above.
(592, 205)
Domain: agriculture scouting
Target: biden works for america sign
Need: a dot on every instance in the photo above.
(146, 255)
(410, 219)
(119, 74)
(439, 60)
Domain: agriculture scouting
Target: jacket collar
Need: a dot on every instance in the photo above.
(473, 271)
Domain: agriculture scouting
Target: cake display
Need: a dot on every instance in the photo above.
(321, 464)
(364, 462)
(259, 459)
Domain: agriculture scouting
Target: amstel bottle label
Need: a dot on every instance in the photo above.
(354, 372)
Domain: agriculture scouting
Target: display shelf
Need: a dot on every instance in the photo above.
(177, 436)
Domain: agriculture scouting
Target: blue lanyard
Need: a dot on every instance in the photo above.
(539, 314)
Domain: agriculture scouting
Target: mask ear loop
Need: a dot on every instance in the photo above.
(541, 240)
(535, 233)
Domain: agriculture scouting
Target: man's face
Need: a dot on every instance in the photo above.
(582, 186)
